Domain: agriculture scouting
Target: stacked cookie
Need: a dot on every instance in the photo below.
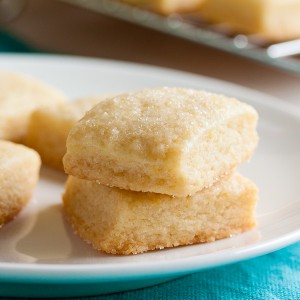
(156, 168)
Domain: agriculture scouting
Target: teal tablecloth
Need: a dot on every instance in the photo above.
(270, 277)
(9, 43)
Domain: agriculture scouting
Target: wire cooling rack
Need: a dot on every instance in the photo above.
(284, 55)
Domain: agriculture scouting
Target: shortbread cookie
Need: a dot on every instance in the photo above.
(19, 97)
(49, 128)
(167, 7)
(273, 19)
(19, 172)
(123, 222)
(172, 141)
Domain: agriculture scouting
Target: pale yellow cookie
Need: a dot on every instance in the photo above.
(19, 173)
(49, 128)
(273, 19)
(167, 7)
(124, 222)
(19, 97)
(172, 141)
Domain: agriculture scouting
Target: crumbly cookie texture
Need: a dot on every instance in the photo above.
(125, 222)
(172, 141)
(167, 7)
(20, 95)
(273, 19)
(48, 128)
(19, 173)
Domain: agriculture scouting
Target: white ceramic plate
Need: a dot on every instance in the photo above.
(39, 254)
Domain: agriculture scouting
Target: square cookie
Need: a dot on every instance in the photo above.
(172, 141)
(272, 19)
(125, 222)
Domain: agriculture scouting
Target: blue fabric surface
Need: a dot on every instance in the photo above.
(272, 276)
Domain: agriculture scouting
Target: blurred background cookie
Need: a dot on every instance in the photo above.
(167, 6)
(273, 19)
(19, 97)
(49, 128)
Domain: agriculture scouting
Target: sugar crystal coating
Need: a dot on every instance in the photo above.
(164, 140)
(19, 172)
